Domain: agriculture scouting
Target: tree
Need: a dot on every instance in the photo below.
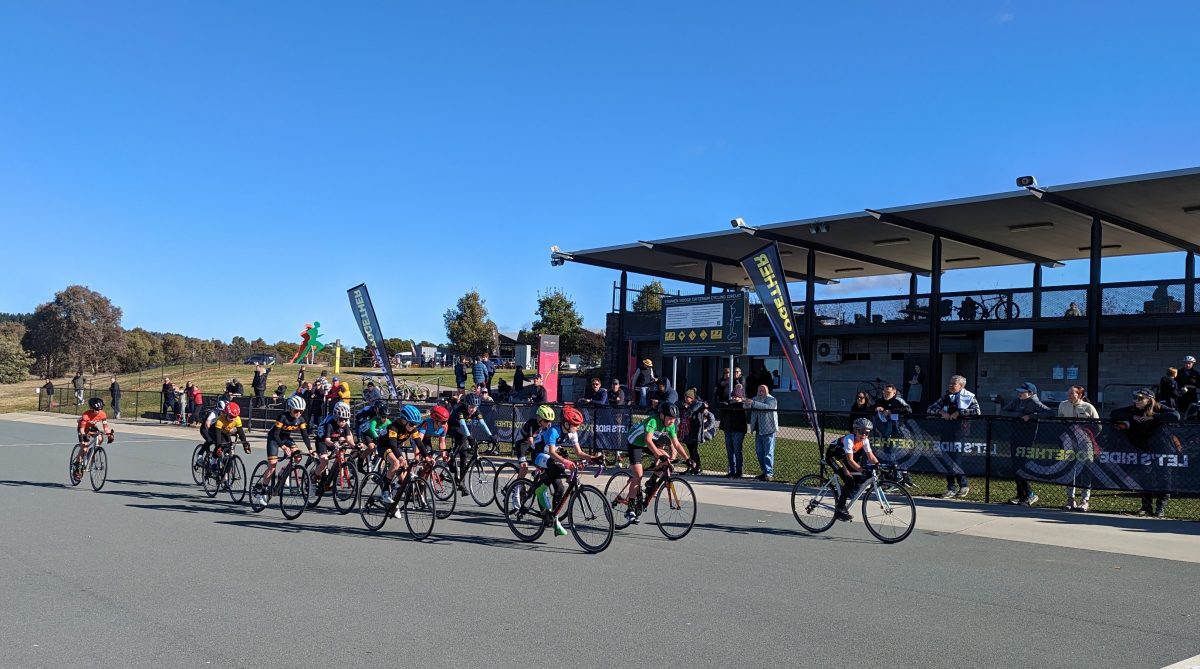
(239, 348)
(80, 328)
(591, 348)
(259, 345)
(15, 361)
(174, 348)
(395, 345)
(140, 351)
(556, 315)
(649, 298)
(425, 342)
(284, 350)
(468, 327)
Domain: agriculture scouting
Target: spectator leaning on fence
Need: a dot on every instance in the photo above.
(1140, 423)
(595, 395)
(1168, 388)
(862, 407)
(764, 418)
(1083, 436)
(952, 407)
(1189, 382)
(733, 424)
(371, 393)
(616, 394)
(537, 392)
(1029, 408)
(665, 393)
(889, 409)
(197, 403)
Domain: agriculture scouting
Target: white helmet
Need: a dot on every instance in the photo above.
(340, 410)
(296, 403)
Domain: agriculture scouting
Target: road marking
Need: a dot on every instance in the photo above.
(1190, 663)
(72, 443)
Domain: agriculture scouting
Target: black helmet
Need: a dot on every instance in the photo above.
(668, 410)
(472, 400)
(380, 407)
(96, 404)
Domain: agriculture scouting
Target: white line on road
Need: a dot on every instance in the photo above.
(1190, 663)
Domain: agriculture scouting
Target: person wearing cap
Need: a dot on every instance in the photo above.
(595, 395)
(1140, 423)
(692, 418)
(1189, 381)
(1028, 408)
(616, 394)
(643, 380)
(664, 394)
(536, 392)
(1082, 436)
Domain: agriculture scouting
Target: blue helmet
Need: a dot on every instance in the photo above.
(472, 400)
(411, 413)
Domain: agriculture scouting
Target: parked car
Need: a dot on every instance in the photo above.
(260, 359)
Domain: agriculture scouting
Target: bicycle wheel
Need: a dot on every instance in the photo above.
(345, 488)
(441, 481)
(814, 503)
(99, 468)
(505, 475)
(591, 519)
(889, 512)
(235, 479)
(480, 479)
(614, 492)
(318, 482)
(213, 475)
(420, 393)
(420, 508)
(198, 458)
(256, 486)
(675, 508)
(75, 467)
(1002, 307)
(292, 486)
(372, 509)
(526, 520)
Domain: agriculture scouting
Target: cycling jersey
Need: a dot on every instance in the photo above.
(227, 426)
(374, 428)
(651, 426)
(329, 429)
(849, 448)
(92, 420)
(429, 429)
(284, 432)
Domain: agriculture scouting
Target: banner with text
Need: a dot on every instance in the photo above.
(368, 324)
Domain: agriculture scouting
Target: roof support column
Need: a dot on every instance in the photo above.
(810, 316)
(912, 285)
(708, 277)
(1093, 311)
(621, 359)
(707, 363)
(1189, 283)
(1037, 291)
(935, 316)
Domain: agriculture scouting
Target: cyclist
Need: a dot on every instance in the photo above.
(554, 465)
(227, 424)
(93, 420)
(282, 436)
(535, 431)
(374, 425)
(460, 432)
(846, 455)
(397, 441)
(333, 432)
(367, 412)
(659, 428)
(206, 431)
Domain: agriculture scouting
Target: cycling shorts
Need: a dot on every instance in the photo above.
(274, 445)
(324, 448)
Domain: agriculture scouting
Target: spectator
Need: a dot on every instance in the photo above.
(518, 381)
(733, 423)
(490, 366)
(166, 396)
(595, 395)
(776, 381)
(537, 392)
(664, 394)
(722, 390)
(1189, 381)
(234, 388)
(956, 404)
(1029, 408)
(479, 373)
(761, 377)
(503, 391)
(738, 379)
(339, 391)
(1168, 389)
(1140, 423)
(616, 394)
(863, 407)
(174, 411)
(196, 413)
(300, 377)
(643, 380)
(1077, 407)
(692, 418)
(78, 383)
(259, 384)
(764, 418)
(1073, 311)
(915, 388)
(280, 393)
(189, 400)
(889, 409)
(371, 393)
(114, 391)
(48, 391)
(460, 373)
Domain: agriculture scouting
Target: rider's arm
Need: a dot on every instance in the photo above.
(242, 437)
(304, 436)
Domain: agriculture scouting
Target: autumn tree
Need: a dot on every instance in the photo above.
(80, 329)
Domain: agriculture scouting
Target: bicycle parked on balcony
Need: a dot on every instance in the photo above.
(996, 306)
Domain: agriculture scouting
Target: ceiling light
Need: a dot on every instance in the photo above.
(964, 259)
(1102, 247)
(817, 228)
(785, 253)
(1026, 227)
(895, 241)
(848, 269)
(681, 265)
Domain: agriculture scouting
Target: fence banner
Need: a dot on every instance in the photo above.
(766, 271)
(368, 324)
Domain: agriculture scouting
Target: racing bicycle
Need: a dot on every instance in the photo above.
(584, 507)
(96, 464)
(888, 510)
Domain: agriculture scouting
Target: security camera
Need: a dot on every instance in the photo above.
(738, 223)
(1026, 182)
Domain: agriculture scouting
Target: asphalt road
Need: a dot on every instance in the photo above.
(150, 572)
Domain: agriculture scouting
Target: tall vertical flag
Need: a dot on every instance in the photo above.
(765, 270)
(368, 324)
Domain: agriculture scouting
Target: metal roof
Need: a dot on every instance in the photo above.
(992, 230)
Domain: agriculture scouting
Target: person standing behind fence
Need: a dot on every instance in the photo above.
(479, 373)
(956, 404)
(48, 391)
(1168, 389)
(1189, 382)
(259, 384)
(764, 418)
(300, 377)
(1029, 408)
(460, 373)
(889, 409)
(189, 400)
(537, 392)
(1140, 423)
(692, 418)
(114, 392)
(78, 384)
(733, 424)
(915, 388)
(643, 381)
(1077, 407)
(166, 396)
(862, 407)
(616, 394)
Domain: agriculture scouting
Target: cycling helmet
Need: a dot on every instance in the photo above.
(296, 403)
(233, 410)
(381, 409)
(668, 410)
(545, 412)
(221, 405)
(96, 404)
(572, 416)
(863, 424)
(340, 410)
(411, 413)
(440, 414)
(472, 400)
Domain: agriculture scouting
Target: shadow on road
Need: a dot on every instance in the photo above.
(35, 484)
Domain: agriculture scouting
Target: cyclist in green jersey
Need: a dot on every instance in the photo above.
(655, 430)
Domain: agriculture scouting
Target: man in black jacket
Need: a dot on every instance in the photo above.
(1028, 408)
(1189, 382)
(889, 409)
(259, 384)
(114, 389)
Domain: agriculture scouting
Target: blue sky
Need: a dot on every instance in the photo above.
(224, 168)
